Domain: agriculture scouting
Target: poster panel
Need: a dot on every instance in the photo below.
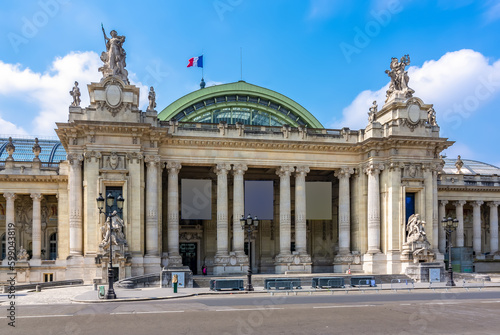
(318, 200)
(196, 199)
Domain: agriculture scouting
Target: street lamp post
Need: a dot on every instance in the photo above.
(449, 226)
(249, 225)
(110, 201)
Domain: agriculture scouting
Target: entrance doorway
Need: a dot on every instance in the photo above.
(189, 253)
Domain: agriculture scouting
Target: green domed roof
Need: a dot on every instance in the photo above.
(239, 102)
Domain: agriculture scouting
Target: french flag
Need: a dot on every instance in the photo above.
(196, 61)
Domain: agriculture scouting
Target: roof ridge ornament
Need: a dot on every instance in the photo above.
(398, 89)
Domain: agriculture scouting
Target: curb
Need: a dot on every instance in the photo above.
(388, 290)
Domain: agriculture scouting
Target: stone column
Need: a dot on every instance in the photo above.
(476, 227)
(459, 207)
(435, 210)
(238, 208)
(152, 205)
(373, 172)
(344, 175)
(442, 233)
(222, 218)
(75, 204)
(36, 233)
(285, 210)
(300, 210)
(494, 226)
(9, 217)
(173, 214)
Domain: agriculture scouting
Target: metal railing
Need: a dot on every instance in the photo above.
(402, 284)
(472, 283)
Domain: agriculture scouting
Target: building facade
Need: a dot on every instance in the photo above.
(327, 200)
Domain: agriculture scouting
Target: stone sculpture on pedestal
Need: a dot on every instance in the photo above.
(152, 99)
(417, 247)
(114, 57)
(75, 93)
(398, 89)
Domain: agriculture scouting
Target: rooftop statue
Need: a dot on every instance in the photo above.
(75, 93)
(399, 79)
(372, 114)
(152, 99)
(114, 57)
(459, 164)
(431, 117)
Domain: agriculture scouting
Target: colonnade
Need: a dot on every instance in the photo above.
(36, 231)
(476, 224)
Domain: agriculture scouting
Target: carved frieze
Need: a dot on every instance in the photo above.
(412, 171)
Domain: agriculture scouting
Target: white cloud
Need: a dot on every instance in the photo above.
(458, 84)
(8, 128)
(48, 92)
(492, 13)
(319, 9)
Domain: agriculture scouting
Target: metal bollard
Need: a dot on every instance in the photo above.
(38, 288)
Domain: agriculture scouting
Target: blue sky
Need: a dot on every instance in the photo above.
(329, 56)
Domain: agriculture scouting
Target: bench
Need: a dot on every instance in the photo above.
(226, 284)
(329, 282)
(363, 281)
(282, 283)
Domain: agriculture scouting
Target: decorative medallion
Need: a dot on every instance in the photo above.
(414, 113)
(113, 96)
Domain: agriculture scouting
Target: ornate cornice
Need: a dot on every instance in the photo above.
(37, 178)
(468, 188)
(259, 144)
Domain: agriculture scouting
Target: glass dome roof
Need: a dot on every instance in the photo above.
(470, 167)
(52, 150)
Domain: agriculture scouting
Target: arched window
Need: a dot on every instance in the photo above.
(53, 247)
(3, 246)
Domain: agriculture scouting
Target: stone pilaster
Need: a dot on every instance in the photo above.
(373, 172)
(152, 205)
(459, 208)
(9, 216)
(344, 175)
(92, 236)
(37, 227)
(476, 227)
(442, 233)
(300, 209)
(174, 259)
(238, 208)
(494, 226)
(75, 204)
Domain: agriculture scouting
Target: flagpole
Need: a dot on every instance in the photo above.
(241, 63)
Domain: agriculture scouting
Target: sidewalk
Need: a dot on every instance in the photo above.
(87, 294)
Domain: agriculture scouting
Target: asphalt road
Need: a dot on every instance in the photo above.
(370, 313)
